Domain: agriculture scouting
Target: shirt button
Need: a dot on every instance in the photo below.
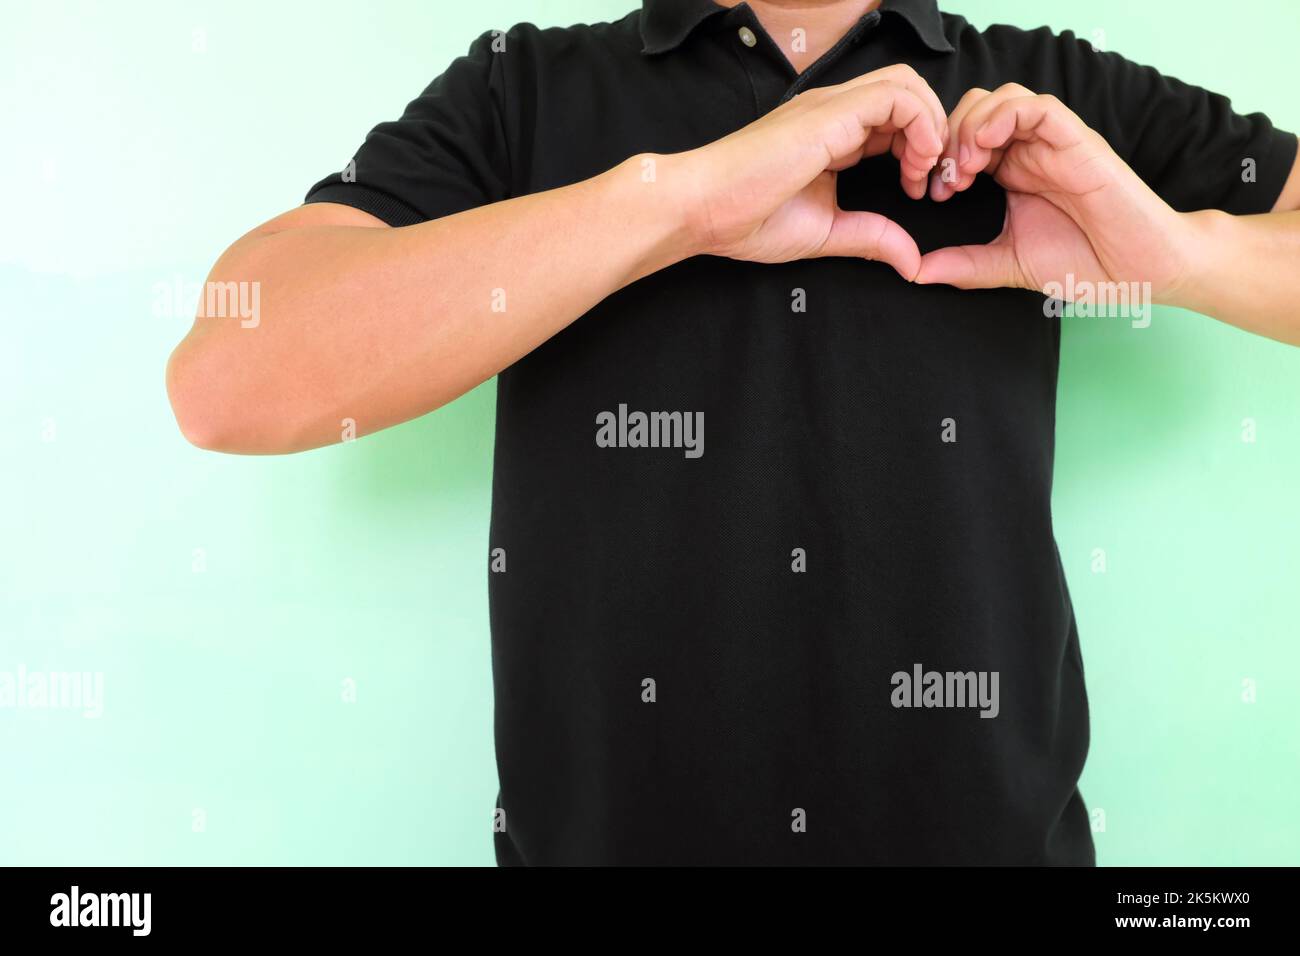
(747, 37)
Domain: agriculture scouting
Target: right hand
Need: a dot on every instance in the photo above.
(766, 193)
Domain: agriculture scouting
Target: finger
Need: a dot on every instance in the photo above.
(905, 76)
(991, 266)
(1044, 118)
(848, 161)
(843, 124)
(947, 178)
(972, 158)
(914, 177)
(869, 235)
(878, 143)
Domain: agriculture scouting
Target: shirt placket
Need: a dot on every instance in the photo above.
(772, 79)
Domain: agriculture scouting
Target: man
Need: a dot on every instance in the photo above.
(773, 572)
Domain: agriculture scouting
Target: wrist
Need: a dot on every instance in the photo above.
(644, 193)
(1202, 237)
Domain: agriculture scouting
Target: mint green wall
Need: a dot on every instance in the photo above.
(226, 600)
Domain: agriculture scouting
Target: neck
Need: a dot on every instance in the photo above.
(806, 29)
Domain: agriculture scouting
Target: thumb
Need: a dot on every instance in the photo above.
(869, 235)
(991, 266)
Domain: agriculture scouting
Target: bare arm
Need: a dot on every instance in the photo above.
(1242, 268)
(1244, 272)
(362, 321)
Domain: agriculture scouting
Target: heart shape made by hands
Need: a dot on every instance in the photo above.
(973, 217)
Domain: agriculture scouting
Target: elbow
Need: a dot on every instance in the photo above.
(219, 408)
(204, 414)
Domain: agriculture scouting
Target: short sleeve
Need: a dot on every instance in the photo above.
(1186, 143)
(446, 154)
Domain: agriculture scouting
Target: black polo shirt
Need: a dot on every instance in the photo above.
(773, 638)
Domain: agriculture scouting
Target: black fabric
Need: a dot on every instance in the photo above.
(823, 428)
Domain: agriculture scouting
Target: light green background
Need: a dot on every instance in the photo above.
(133, 158)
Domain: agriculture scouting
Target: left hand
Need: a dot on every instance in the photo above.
(1074, 208)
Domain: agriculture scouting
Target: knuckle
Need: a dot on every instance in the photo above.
(970, 98)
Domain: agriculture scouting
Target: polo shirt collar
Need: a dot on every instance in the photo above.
(922, 16)
(665, 24)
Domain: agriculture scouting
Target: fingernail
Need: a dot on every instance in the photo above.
(963, 155)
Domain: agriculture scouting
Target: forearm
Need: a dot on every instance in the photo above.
(1244, 270)
(382, 325)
